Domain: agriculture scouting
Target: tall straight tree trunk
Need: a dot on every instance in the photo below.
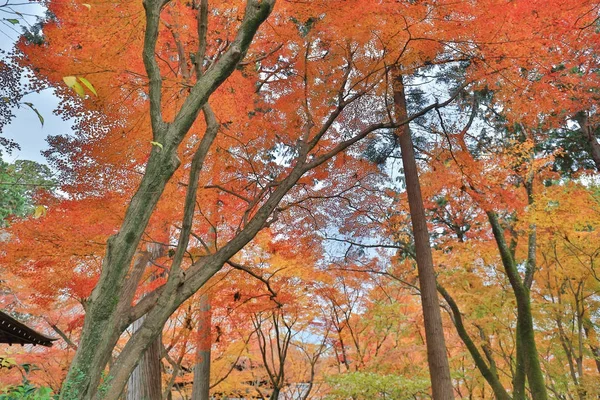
(201, 386)
(439, 370)
(145, 380)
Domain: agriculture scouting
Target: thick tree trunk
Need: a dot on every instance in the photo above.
(589, 136)
(439, 370)
(535, 377)
(175, 292)
(109, 301)
(145, 381)
(201, 386)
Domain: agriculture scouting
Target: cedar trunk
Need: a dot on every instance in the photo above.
(439, 370)
(201, 386)
(145, 381)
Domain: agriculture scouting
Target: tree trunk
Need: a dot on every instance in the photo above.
(110, 303)
(439, 370)
(526, 346)
(589, 136)
(145, 381)
(490, 376)
(535, 377)
(274, 394)
(201, 386)
(520, 370)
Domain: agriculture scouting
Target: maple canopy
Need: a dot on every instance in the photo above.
(232, 193)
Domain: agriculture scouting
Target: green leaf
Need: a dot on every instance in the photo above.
(71, 82)
(36, 111)
(79, 89)
(12, 21)
(88, 85)
(156, 144)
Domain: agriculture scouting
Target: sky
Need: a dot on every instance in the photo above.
(25, 128)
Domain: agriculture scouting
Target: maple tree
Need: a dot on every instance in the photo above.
(90, 358)
(525, 169)
(275, 162)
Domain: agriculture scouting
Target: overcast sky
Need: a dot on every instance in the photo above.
(25, 129)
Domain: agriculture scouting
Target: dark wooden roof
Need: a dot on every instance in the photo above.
(14, 332)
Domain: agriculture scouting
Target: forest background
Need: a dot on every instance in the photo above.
(325, 199)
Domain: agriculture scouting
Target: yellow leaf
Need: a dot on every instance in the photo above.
(39, 211)
(70, 80)
(156, 144)
(89, 7)
(6, 362)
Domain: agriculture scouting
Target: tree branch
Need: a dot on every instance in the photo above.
(153, 9)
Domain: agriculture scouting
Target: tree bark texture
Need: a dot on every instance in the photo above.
(108, 302)
(587, 131)
(145, 380)
(528, 362)
(201, 386)
(437, 359)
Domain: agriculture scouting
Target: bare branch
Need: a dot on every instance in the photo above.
(212, 127)
(257, 276)
(256, 12)
(153, 8)
(202, 29)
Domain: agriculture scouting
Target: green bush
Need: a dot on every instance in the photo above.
(26, 390)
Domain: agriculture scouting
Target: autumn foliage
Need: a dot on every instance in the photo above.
(255, 200)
